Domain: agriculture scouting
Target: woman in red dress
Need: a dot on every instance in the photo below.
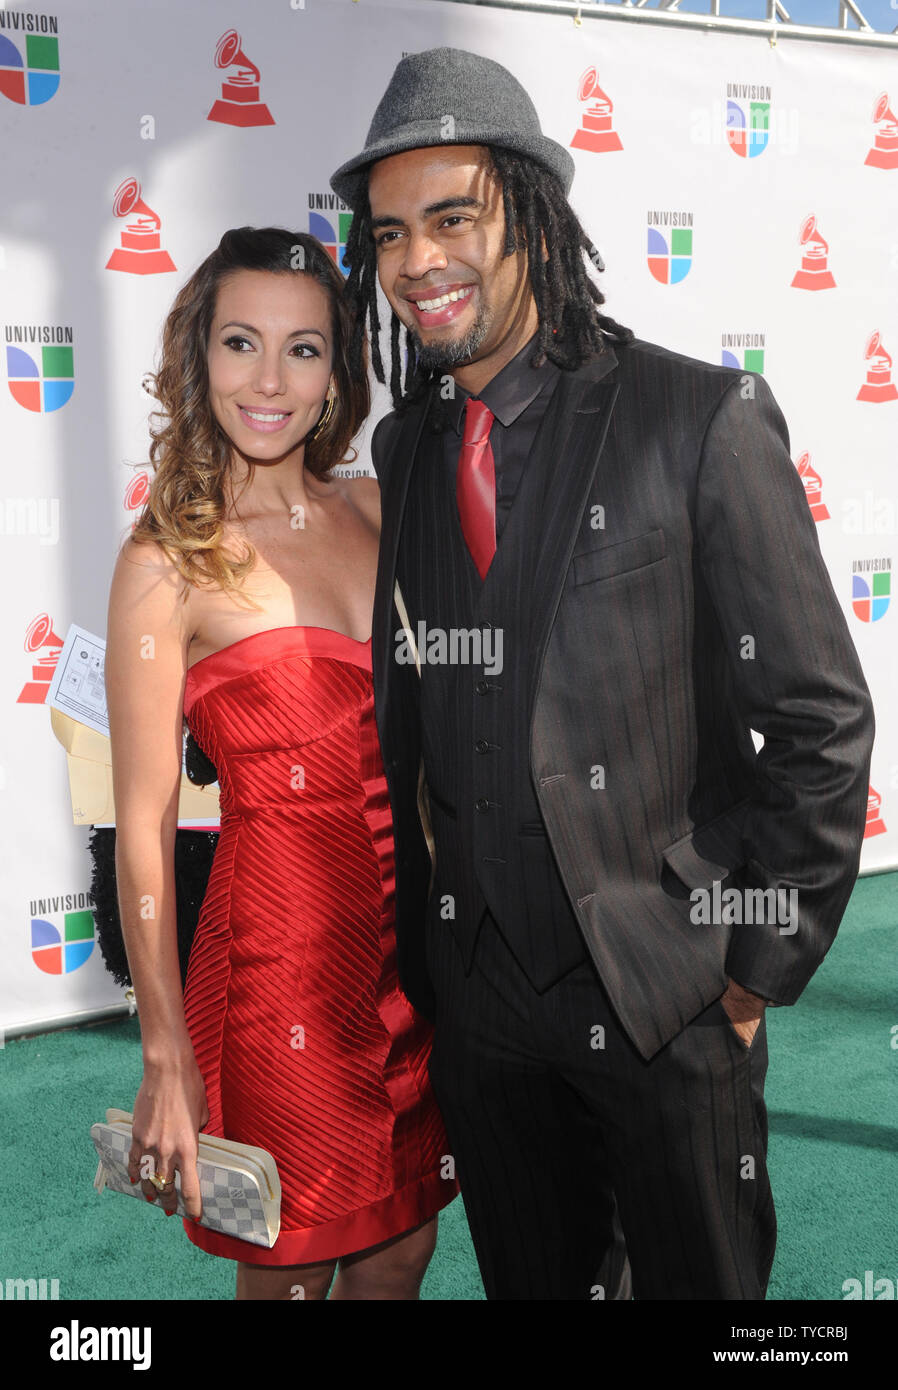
(243, 602)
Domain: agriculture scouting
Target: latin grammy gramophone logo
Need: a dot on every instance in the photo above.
(875, 825)
(40, 637)
(883, 154)
(813, 488)
(239, 102)
(878, 386)
(596, 132)
(140, 252)
(747, 119)
(136, 493)
(814, 272)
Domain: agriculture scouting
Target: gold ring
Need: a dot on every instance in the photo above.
(159, 1182)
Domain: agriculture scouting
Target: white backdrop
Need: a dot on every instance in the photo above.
(94, 94)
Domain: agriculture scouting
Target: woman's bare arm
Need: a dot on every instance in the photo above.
(146, 660)
(145, 671)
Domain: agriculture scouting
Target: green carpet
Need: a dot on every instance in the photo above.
(833, 1138)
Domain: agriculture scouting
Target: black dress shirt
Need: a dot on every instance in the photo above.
(518, 396)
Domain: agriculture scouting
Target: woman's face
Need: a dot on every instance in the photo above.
(269, 361)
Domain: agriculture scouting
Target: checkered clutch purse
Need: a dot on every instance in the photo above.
(239, 1184)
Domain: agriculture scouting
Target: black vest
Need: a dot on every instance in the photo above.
(491, 847)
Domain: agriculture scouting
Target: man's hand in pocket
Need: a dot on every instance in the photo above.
(744, 1010)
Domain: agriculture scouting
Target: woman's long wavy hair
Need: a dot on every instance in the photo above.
(190, 452)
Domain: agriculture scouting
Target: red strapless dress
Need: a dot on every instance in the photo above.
(307, 1046)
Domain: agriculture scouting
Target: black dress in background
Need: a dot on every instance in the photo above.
(194, 853)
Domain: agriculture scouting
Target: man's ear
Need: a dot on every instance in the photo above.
(542, 237)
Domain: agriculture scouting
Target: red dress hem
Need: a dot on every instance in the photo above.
(395, 1214)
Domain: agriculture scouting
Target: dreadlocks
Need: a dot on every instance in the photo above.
(570, 330)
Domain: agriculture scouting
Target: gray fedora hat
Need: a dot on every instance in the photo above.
(447, 96)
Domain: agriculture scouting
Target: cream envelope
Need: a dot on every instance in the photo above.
(89, 756)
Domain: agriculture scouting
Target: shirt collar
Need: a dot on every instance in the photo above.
(509, 392)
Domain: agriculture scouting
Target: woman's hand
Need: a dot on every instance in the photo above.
(169, 1112)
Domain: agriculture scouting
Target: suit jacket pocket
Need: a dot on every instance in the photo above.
(710, 851)
(609, 560)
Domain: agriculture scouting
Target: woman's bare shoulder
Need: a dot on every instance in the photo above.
(365, 493)
(149, 556)
(146, 578)
(147, 553)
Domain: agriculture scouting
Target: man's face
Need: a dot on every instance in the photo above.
(439, 229)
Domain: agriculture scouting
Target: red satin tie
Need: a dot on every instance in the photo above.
(475, 486)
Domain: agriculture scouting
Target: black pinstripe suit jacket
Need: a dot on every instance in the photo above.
(682, 600)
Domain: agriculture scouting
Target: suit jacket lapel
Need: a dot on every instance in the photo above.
(394, 491)
(570, 442)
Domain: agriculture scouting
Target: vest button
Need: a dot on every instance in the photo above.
(481, 804)
(481, 745)
(481, 687)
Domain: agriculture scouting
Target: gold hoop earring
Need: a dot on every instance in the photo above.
(331, 397)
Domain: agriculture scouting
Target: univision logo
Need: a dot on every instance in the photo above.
(60, 952)
(47, 383)
(34, 79)
(870, 597)
(332, 237)
(748, 118)
(744, 351)
(669, 258)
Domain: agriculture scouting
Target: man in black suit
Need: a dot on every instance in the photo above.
(611, 577)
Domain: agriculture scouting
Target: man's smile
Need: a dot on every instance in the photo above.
(434, 307)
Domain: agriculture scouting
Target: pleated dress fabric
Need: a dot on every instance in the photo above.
(307, 1046)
